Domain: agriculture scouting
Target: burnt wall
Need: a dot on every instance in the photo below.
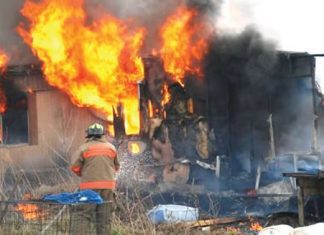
(292, 103)
(247, 80)
(238, 71)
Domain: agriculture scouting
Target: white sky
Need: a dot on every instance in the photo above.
(295, 25)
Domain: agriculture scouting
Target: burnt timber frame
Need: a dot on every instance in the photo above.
(308, 185)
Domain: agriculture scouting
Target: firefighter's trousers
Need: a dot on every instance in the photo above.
(88, 218)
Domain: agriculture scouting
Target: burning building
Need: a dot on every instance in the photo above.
(229, 105)
(241, 128)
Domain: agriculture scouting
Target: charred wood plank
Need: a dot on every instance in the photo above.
(216, 221)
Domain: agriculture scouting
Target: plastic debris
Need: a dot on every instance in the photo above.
(172, 213)
(84, 196)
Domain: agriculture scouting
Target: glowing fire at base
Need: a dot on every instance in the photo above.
(96, 64)
(256, 227)
(30, 211)
(135, 148)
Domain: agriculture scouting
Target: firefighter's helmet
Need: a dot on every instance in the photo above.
(95, 129)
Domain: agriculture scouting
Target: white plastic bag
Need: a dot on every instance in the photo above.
(281, 229)
(172, 213)
(314, 229)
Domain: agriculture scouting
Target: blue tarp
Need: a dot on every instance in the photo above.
(84, 196)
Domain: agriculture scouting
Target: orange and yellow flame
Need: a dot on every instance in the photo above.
(96, 63)
(184, 43)
(30, 211)
(166, 96)
(3, 100)
(134, 148)
(256, 227)
(4, 59)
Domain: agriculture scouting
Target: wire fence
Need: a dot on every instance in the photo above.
(38, 217)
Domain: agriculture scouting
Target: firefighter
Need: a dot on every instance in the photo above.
(96, 162)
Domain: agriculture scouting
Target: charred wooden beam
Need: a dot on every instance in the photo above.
(309, 184)
(119, 121)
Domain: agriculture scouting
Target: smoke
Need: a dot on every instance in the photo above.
(10, 41)
(238, 69)
(245, 57)
(249, 80)
(150, 14)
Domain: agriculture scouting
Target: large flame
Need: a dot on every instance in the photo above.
(96, 63)
(4, 59)
(184, 43)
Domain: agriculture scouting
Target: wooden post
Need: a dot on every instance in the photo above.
(320, 161)
(1, 130)
(258, 177)
(300, 197)
(217, 170)
(295, 159)
(272, 141)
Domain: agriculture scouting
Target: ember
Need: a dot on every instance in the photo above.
(150, 109)
(96, 64)
(135, 148)
(256, 227)
(166, 95)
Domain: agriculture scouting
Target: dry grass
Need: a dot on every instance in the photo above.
(5, 163)
(130, 218)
